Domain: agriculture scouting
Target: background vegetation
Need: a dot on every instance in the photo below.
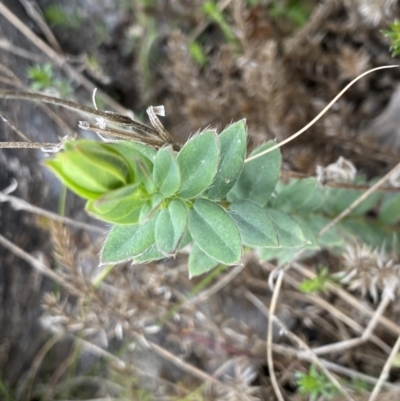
(322, 326)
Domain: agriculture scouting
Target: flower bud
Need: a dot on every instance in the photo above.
(90, 168)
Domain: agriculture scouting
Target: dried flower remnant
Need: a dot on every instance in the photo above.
(373, 11)
(371, 271)
(342, 170)
(352, 62)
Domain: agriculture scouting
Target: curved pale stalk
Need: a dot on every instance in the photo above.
(312, 122)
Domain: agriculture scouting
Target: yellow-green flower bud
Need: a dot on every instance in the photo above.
(90, 168)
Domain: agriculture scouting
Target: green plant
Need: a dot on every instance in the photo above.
(293, 10)
(394, 34)
(56, 16)
(42, 77)
(317, 284)
(315, 385)
(209, 196)
(211, 10)
(5, 393)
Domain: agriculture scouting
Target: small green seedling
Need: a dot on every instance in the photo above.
(314, 385)
(394, 34)
(318, 283)
(42, 78)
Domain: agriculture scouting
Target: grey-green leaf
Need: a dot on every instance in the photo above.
(125, 242)
(151, 254)
(390, 209)
(199, 262)
(295, 194)
(259, 176)
(171, 225)
(166, 173)
(290, 234)
(198, 162)
(233, 141)
(255, 226)
(215, 232)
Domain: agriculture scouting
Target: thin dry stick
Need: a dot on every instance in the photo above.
(27, 145)
(206, 294)
(186, 366)
(129, 136)
(37, 362)
(38, 266)
(364, 196)
(4, 117)
(385, 371)
(121, 363)
(366, 335)
(35, 13)
(377, 315)
(285, 350)
(312, 122)
(332, 310)
(348, 298)
(112, 117)
(297, 340)
(18, 51)
(270, 359)
(17, 83)
(57, 58)
(20, 204)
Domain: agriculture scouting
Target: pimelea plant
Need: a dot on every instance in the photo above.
(161, 198)
(208, 195)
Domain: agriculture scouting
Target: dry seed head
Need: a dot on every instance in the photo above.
(342, 170)
(352, 63)
(373, 11)
(370, 270)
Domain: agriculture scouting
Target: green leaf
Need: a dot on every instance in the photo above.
(308, 233)
(339, 199)
(151, 254)
(259, 177)
(199, 262)
(125, 242)
(121, 206)
(150, 208)
(215, 232)
(141, 158)
(198, 162)
(315, 203)
(233, 151)
(390, 209)
(290, 234)
(292, 196)
(166, 174)
(369, 233)
(283, 255)
(255, 226)
(332, 238)
(171, 225)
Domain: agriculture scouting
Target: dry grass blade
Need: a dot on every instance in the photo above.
(37, 265)
(57, 58)
(20, 204)
(313, 121)
(270, 359)
(297, 340)
(385, 371)
(4, 117)
(365, 195)
(349, 299)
